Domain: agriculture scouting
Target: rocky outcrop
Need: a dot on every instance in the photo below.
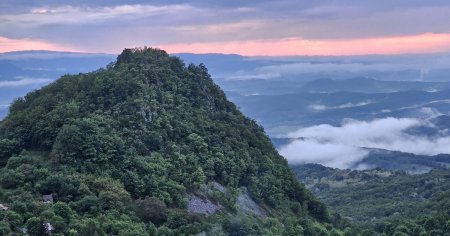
(203, 206)
(246, 204)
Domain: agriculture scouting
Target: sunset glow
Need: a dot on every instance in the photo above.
(269, 28)
(8, 45)
(423, 43)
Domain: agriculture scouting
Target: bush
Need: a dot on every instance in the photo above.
(151, 209)
(35, 226)
(63, 210)
(14, 219)
(11, 179)
(4, 228)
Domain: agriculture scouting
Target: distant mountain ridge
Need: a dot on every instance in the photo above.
(401, 161)
(307, 108)
(370, 85)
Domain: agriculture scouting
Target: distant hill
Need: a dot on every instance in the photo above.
(400, 161)
(368, 85)
(52, 64)
(376, 197)
(305, 109)
(9, 70)
(219, 64)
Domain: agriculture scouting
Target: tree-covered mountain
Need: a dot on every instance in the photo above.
(146, 146)
(384, 199)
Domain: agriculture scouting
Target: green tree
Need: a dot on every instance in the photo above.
(35, 226)
(198, 178)
(63, 210)
(151, 209)
(14, 219)
(91, 227)
(4, 228)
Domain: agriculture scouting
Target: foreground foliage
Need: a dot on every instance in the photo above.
(393, 202)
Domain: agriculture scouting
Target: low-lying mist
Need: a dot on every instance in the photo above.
(343, 146)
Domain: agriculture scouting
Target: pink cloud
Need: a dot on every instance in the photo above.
(422, 43)
(8, 45)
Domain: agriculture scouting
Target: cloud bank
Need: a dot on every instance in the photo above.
(24, 82)
(421, 66)
(320, 107)
(342, 146)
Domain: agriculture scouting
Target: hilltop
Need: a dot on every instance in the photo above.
(145, 146)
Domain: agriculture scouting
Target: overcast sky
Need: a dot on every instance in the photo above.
(282, 27)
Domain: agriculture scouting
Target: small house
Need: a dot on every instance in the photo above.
(47, 198)
(48, 228)
(3, 207)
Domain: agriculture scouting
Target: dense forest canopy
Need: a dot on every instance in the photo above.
(385, 200)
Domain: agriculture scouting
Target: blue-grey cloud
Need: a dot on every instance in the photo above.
(24, 82)
(112, 25)
(343, 146)
(345, 66)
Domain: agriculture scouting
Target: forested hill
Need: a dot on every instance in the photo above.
(390, 201)
(132, 148)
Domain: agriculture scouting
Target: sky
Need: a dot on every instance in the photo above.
(251, 28)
